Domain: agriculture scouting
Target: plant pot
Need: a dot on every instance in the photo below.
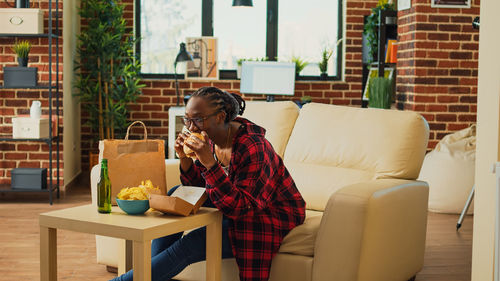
(18, 77)
(23, 62)
(323, 76)
(238, 72)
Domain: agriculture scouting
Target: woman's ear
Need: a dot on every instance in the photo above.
(221, 117)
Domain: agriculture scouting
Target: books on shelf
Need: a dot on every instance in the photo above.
(391, 51)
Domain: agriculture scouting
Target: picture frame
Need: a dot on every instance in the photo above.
(450, 3)
(204, 52)
(388, 73)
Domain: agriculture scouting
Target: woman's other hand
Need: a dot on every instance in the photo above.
(179, 144)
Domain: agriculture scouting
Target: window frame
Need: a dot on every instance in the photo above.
(271, 41)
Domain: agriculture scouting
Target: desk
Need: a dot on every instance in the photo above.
(138, 231)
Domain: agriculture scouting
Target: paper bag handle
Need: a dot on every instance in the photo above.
(143, 125)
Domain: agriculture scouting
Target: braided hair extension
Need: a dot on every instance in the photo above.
(232, 104)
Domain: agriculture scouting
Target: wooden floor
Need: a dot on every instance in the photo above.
(447, 258)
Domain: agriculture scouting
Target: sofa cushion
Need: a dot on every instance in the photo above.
(317, 182)
(300, 240)
(382, 143)
(278, 118)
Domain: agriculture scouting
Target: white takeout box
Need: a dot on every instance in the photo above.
(184, 201)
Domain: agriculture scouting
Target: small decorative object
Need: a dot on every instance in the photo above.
(30, 128)
(21, 21)
(22, 50)
(299, 64)
(36, 109)
(323, 64)
(29, 178)
(21, 76)
(450, 3)
(204, 63)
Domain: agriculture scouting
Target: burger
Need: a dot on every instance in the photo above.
(188, 151)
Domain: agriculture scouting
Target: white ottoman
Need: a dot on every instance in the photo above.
(449, 169)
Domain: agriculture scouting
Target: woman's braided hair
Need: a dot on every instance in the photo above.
(232, 104)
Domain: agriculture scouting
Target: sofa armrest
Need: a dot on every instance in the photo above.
(373, 231)
(94, 179)
(173, 174)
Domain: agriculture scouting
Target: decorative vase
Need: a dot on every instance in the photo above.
(36, 110)
(323, 76)
(23, 62)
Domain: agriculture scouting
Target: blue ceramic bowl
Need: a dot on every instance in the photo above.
(133, 207)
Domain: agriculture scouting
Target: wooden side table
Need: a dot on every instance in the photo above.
(138, 231)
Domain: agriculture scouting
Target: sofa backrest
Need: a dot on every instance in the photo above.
(278, 118)
(334, 146)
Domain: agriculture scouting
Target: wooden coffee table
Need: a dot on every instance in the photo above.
(138, 231)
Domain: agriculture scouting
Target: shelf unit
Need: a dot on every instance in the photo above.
(385, 31)
(53, 34)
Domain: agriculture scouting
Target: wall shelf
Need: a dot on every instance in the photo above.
(53, 89)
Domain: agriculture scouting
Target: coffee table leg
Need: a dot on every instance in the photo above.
(142, 260)
(214, 249)
(48, 254)
(125, 257)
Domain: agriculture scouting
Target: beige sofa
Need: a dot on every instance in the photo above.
(356, 169)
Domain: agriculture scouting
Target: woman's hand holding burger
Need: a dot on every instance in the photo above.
(198, 146)
(194, 146)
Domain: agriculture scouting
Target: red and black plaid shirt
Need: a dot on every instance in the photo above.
(258, 196)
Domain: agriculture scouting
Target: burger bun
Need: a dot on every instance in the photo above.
(188, 151)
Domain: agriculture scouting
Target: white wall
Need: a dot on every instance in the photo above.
(487, 146)
(71, 108)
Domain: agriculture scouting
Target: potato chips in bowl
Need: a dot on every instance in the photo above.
(135, 200)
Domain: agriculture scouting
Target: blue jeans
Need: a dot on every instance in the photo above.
(171, 254)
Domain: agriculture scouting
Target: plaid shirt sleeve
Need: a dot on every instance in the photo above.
(250, 189)
(192, 176)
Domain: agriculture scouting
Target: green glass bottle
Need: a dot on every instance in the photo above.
(104, 190)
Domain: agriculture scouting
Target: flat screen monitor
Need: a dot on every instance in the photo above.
(268, 78)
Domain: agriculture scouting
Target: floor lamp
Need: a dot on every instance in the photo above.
(183, 55)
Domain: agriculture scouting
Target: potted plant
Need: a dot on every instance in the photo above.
(380, 92)
(22, 50)
(323, 64)
(21, 76)
(371, 29)
(108, 73)
(240, 62)
(299, 65)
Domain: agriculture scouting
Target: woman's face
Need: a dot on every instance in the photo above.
(200, 116)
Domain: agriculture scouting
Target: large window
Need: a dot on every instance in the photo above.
(268, 30)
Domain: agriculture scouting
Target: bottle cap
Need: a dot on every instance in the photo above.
(104, 161)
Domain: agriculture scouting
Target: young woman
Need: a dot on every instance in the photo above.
(244, 178)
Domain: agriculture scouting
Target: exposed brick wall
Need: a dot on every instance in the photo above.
(14, 102)
(437, 65)
(159, 95)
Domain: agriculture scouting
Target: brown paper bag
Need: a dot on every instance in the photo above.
(133, 161)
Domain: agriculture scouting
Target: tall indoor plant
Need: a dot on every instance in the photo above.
(108, 77)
